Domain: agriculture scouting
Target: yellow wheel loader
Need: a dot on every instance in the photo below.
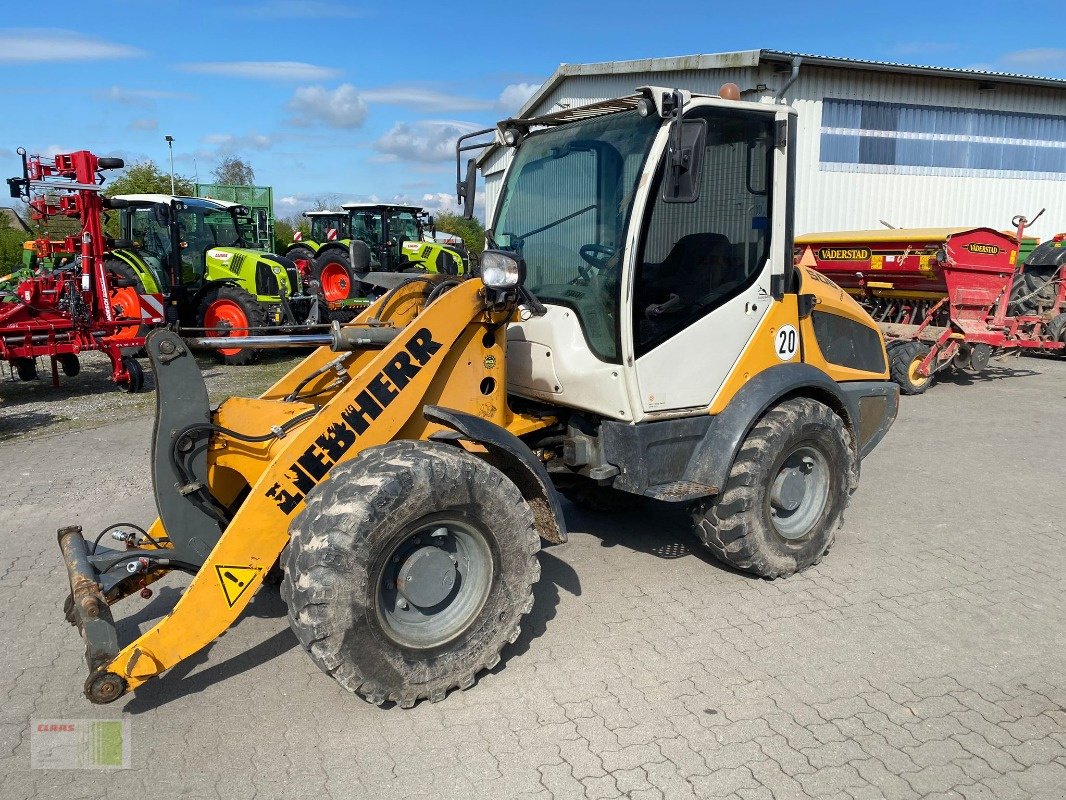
(637, 330)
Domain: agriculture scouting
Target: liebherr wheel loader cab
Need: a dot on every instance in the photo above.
(636, 331)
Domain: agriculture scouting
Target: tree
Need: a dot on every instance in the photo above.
(284, 228)
(471, 230)
(11, 241)
(145, 177)
(234, 171)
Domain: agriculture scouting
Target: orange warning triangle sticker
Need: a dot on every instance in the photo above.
(808, 259)
(235, 581)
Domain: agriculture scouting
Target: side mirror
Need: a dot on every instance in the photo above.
(161, 215)
(467, 188)
(684, 160)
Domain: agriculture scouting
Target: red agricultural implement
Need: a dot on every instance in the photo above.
(942, 296)
(78, 306)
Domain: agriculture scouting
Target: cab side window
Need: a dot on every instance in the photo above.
(693, 257)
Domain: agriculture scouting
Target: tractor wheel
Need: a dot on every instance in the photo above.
(409, 569)
(136, 373)
(333, 271)
(1056, 329)
(231, 308)
(25, 368)
(786, 493)
(1034, 290)
(602, 499)
(126, 291)
(302, 253)
(905, 360)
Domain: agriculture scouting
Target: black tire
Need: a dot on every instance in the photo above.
(1034, 290)
(335, 259)
(342, 553)
(1056, 329)
(602, 499)
(254, 313)
(739, 526)
(136, 372)
(69, 363)
(902, 361)
(301, 251)
(25, 368)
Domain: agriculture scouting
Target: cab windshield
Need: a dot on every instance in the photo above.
(322, 225)
(564, 208)
(206, 227)
(403, 226)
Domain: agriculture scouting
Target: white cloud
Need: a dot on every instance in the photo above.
(424, 99)
(515, 95)
(342, 107)
(27, 45)
(264, 70)
(1039, 58)
(426, 141)
(296, 8)
(144, 124)
(138, 97)
(227, 143)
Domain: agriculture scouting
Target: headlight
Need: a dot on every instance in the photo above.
(502, 270)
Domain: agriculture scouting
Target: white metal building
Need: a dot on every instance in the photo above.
(912, 146)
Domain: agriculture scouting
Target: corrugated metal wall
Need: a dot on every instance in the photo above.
(830, 199)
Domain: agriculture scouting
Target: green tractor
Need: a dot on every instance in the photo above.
(326, 226)
(382, 238)
(195, 252)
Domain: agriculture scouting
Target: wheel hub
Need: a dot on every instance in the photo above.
(791, 485)
(426, 577)
(799, 492)
(434, 582)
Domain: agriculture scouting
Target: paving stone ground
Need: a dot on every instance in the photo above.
(924, 657)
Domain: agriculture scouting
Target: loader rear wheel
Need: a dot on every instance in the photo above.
(904, 360)
(333, 271)
(409, 569)
(231, 311)
(602, 499)
(786, 492)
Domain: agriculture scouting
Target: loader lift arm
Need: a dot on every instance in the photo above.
(227, 492)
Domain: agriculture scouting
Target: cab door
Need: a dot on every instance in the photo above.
(701, 272)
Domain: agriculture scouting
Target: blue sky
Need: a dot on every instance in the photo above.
(351, 100)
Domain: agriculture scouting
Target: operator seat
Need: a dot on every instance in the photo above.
(695, 267)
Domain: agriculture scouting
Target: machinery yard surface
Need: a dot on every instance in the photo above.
(90, 399)
(924, 657)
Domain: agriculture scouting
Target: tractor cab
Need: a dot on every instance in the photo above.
(194, 241)
(390, 231)
(327, 226)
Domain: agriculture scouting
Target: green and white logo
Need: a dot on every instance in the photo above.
(80, 744)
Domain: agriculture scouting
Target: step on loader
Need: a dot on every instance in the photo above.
(637, 330)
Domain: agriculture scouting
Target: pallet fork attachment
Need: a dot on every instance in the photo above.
(229, 482)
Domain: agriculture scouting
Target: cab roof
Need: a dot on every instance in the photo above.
(167, 199)
(389, 206)
(323, 213)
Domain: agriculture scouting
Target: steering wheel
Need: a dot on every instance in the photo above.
(596, 256)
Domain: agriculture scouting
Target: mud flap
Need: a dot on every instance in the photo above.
(509, 455)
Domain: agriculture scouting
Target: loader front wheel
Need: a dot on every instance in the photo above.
(786, 492)
(409, 570)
